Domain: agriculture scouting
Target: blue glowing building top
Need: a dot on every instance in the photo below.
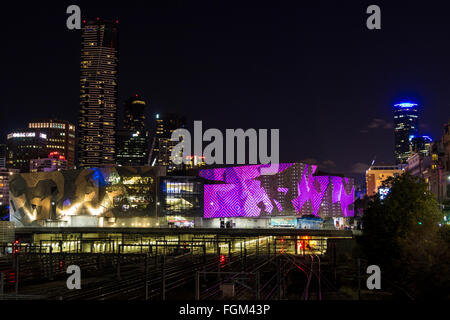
(405, 105)
(406, 127)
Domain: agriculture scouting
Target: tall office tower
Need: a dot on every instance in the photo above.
(60, 138)
(405, 128)
(132, 138)
(98, 93)
(23, 146)
(2, 155)
(162, 146)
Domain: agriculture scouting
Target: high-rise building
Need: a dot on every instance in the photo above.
(132, 138)
(25, 145)
(161, 151)
(98, 93)
(2, 155)
(375, 176)
(405, 128)
(60, 138)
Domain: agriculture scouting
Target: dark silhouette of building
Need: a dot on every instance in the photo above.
(98, 93)
(162, 146)
(132, 138)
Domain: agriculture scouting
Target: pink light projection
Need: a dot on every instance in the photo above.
(242, 194)
(340, 195)
(311, 189)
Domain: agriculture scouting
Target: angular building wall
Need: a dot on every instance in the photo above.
(108, 193)
(293, 190)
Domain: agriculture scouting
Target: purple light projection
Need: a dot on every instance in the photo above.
(340, 195)
(242, 195)
(311, 189)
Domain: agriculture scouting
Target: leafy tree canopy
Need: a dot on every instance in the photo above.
(402, 234)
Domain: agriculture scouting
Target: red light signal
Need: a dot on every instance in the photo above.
(15, 247)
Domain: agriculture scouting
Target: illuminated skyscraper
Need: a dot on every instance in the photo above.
(132, 139)
(405, 128)
(98, 93)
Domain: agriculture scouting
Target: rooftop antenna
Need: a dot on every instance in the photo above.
(373, 161)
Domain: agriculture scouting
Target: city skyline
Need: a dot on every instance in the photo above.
(246, 88)
(243, 153)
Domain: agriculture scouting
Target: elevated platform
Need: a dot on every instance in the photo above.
(27, 231)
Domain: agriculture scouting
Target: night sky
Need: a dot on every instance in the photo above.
(311, 69)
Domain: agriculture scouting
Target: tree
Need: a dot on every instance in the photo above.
(402, 235)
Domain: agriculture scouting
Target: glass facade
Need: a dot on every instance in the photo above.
(181, 196)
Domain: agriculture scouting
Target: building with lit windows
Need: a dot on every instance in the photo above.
(406, 127)
(420, 162)
(60, 138)
(181, 199)
(4, 184)
(421, 145)
(376, 175)
(161, 150)
(439, 173)
(446, 161)
(132, 138)
(54, 162)
(419, 165)
(25, 145)
(193, 162)
(3, 152)
(98, 93)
